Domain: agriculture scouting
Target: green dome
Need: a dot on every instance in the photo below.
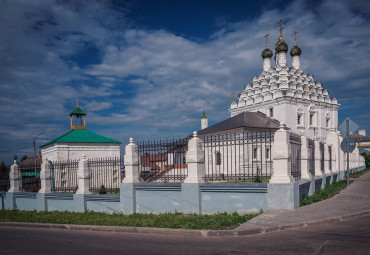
(267, 53)
(204, 116)
(77, 111)
(295, 51)
(280, 46)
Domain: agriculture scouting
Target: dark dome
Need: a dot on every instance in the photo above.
(295, 51)
(281, 46)
(267, 53)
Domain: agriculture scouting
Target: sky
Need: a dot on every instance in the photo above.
(147, 69)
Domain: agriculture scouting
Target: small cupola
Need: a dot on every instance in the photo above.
(267, 55)
(295, 52)
(78, 118)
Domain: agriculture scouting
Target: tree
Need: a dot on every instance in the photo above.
(24, 157)
(4, 172)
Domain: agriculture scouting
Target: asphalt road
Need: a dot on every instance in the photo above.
(346, 237)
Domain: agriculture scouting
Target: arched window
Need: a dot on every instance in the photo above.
(218, 158)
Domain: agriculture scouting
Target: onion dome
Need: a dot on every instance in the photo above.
(281, 46)
(267, 53)
(295, 51)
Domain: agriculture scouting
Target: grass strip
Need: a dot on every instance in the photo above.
(329, 191)
(359, 173)
(165, 220)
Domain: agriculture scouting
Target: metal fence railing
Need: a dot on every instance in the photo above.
(322, 157)
(330, 158)
(163, 160)
(105, 174)
(64, 176)
(30, 174)
(295, 156)
(244, 156)
(311, 156)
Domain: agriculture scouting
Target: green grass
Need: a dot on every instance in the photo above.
(166, 220)
(359, 173)
(329, 191)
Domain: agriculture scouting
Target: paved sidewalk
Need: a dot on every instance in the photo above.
(350, 202)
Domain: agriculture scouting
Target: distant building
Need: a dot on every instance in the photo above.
(79, 141)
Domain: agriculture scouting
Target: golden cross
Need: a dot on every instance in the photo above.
(295, 38)
(77, 101)
(281, 28)
(266, 36)
(234, 93)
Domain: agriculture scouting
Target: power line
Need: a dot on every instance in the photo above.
(17, 149)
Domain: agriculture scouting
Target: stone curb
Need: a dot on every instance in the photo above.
(186, 232)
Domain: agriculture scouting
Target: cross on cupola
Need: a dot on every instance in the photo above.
(78, 118)
(281, 29)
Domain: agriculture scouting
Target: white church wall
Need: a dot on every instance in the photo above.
(74, 151)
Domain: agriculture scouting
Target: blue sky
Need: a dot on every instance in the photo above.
(147, 69)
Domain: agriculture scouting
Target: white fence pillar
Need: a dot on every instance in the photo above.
(131, 160)
(127, 187)
(83, 177)
(281, 155)
(45, 177)
(305, 171)
(191, 199)
(333, 140)
(15, 178)
(195, 161)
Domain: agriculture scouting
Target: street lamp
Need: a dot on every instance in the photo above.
(34, 150)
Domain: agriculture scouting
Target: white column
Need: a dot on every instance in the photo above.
(318, 171)
(131, 160)
(15, 178)
(305, 171)
(45, 177)
(83, 177)
(195, 161)
(281, 156)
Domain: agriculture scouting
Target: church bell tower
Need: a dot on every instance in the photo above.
(78, 118)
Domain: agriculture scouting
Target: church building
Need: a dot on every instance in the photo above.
(80, 141)
(288, 94)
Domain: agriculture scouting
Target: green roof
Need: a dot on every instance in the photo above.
(81, 136)
(77, 111)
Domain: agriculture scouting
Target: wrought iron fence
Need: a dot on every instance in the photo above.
(4, 185)
(105, 174)
(163, 160)
(64, 176)
(311, 156)
(31, 184)
(244, 156)
(322, 157)
(295, 156)
(30, 174)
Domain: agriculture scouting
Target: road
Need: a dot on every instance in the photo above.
(346, 237)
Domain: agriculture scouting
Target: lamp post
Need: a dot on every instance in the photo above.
(34, 150)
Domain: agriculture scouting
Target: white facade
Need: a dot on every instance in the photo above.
(290, 96)
(75, 151)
